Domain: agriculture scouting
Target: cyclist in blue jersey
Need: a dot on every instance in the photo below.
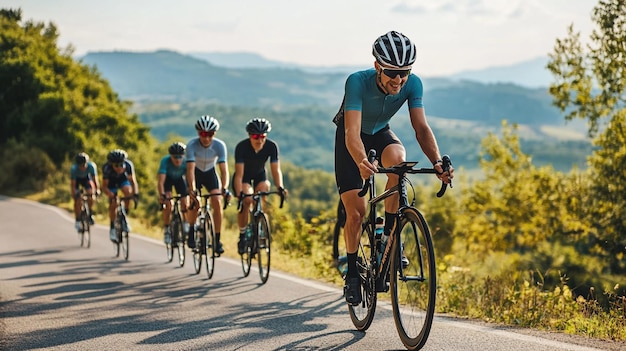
(83, 173)
(371, 98)
(119, 174)
(171, 174)
(250, 174)
(203, 154)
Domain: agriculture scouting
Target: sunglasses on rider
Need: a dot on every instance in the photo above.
(178, 157)
(117, 164)
(204, 134)
(393, 73)
(257, 136)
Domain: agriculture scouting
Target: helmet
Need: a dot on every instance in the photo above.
(394, 49)
(258, 126)
(117, 156)
(207, 123)
(82, 158)
(177, 148)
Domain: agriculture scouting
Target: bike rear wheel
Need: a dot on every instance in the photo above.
(246, 257)
(413, 286)
(362, 314)
(209, 248)
(263, 246)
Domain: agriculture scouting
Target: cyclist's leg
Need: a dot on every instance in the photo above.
(355, 211)
(214, 188)
(167, 205)
(393, 152)
(90, 185)
(127, 190)
(181, 189)
(243, 215)
(349, 183)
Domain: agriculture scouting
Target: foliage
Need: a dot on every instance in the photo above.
(591, 85)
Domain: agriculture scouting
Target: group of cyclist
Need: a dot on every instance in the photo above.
(118, 174)
(187, 169)
(371, 98)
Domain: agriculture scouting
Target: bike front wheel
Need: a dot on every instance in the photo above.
(197, 252)
(362, 314)
(263, 246)
(246, 256)
(85, 233)
(413, 280)
(125, 244)
(209, 248)
(178, 238)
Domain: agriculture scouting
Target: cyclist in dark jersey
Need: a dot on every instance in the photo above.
(171, 174)
(250, 175)
(204, 154)
(371, 98)
(118, 174)
(84, 173)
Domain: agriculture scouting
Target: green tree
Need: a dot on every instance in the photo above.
(52, 103)
(590, 84)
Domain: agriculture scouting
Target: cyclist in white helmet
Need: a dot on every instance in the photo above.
(203, 154)
(371, 98)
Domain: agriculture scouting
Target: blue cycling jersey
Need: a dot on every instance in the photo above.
(362, 94)
(170, 170)
(90, 172)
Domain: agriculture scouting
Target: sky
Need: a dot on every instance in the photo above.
(450, 35)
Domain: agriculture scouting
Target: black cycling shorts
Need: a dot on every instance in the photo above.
(347, 173)
(179, 184)
(207, 179)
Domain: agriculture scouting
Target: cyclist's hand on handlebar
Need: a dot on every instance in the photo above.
(283, 192)
(445, 175)
(227, 196)
(366, 168)
(136, 197)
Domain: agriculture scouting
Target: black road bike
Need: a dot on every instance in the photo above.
(258, 235)
(176, 231)
(406, 262)
(84, 234)
(205, 239)
(121, 226)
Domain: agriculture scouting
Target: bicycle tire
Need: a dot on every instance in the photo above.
(246, 256)
(118, 234)
(178, 237)
(125, 244)
(209, 246)
(197, 252)
(85, 232)
(263, 246)
(362, 314)
(413, 288)
(175, 226)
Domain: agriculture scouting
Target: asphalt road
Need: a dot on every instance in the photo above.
(55, 295)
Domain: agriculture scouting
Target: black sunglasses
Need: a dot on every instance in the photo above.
(392, 73)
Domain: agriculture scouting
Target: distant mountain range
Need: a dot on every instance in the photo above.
(170, 90)
(171, 76)
(531, 74)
